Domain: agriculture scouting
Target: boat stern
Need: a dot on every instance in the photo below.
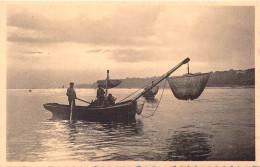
(139, 106)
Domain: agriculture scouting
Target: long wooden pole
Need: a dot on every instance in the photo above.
(166, 75)
(71, 110)
(83, 100)
(107, 82)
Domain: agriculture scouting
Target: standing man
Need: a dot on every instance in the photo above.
(100, 95)
(71, 94)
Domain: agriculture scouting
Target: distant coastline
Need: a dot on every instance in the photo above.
(218, 79)
(228, 79)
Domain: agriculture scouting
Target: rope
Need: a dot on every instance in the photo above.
(130, 95)
(137, 90)
(157, 103)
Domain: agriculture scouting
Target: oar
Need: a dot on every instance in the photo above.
(83, 100)
(71, 109)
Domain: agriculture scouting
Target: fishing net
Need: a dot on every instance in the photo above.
(110, 84)
(188, 87)
(139, 106)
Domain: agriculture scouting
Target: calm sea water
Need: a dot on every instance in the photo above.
(220, 125)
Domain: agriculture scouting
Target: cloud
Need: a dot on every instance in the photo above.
(33, 52)
(95, 51)
(124, 27)
(225, 33)
(137, 37)
(142, 55)
(28, 21)
(131, 55)
(210, 34)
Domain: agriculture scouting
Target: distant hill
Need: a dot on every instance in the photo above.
(86, 85)
(231, 78)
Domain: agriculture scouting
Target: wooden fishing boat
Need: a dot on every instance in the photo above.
(120, 112)
(151, 93)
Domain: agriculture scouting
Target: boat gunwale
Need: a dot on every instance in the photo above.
(126, 103)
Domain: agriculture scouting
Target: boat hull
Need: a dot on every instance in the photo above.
(118, 113)
(151, 93)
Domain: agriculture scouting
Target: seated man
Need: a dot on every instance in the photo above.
(110, 100)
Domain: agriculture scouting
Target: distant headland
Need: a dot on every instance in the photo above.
(231, 78)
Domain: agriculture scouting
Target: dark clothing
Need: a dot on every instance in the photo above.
(110, 100)
(100, 95)
(71, 95)
(70, 100)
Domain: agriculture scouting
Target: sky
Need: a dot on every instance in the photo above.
(52, 44)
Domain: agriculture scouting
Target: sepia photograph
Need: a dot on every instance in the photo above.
(129, 81)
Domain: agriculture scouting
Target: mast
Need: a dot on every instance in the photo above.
(188, 68)
(166, 75)
(107, 82)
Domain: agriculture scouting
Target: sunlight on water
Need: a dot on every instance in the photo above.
(219, 125)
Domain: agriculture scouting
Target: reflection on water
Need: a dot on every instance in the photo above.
(189, 146)
(84, 140)
(72, 133)
(150, 106)
(178, 130)
(101, 141)
(154, 100)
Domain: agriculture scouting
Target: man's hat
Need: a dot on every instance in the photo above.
(71, 83)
